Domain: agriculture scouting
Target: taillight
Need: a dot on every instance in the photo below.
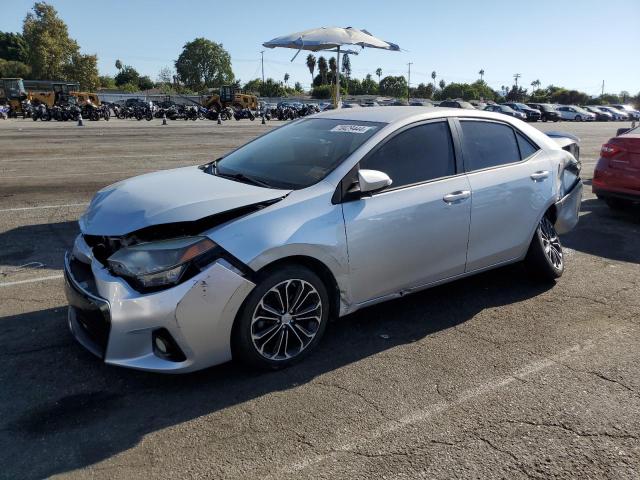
(609, 150)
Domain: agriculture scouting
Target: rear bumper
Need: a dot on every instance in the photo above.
(609, 181)
(568, 209)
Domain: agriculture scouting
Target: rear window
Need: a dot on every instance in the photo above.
(488, 144)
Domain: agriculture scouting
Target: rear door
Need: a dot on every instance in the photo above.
(511, 182)
(415, 231)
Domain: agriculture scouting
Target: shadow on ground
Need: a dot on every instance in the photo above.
(63, 409)
(606, 233)
(44, 243)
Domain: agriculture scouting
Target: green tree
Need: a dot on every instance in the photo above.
(127, 75)
(484, 91)
(442, 84)
(107, 82)
(379, 74)
(321, 91)
(394, 86)
(13, 69)
(423, 91)
(204, 63)
(145, 83)
(118, 64)
(286, 78)
(459, 90)
(47, 38)
(333, 68)
(346, 65)
(253, 86)
(297, 87)
(368, 86)
(535, 85)
(84, 70)
(311, 64)
(13, 47)
(323, 68)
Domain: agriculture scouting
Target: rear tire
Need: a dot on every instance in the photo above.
(278, 325)
(545, 259)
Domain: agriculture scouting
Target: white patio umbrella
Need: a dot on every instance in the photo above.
(330, 38)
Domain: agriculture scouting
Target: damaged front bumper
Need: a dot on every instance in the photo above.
(119, 324)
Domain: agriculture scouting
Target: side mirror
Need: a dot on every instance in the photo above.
(372, 181)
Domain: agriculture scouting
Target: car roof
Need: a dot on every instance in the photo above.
(401, 113)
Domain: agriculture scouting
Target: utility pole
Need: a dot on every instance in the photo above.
(602, 88)
(262, 62)
(516, 77)
(409, 83)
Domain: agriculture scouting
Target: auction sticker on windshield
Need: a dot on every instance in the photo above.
(351, 128)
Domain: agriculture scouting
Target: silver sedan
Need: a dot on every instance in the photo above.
(248, 257)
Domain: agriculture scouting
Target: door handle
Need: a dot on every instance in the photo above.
(540, 175)
(456, 196)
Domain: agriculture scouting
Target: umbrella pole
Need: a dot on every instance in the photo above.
(338, 78)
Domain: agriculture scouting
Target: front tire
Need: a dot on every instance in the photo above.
(545, 259)
(282, 319)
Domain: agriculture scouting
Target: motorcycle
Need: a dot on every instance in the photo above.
(244, 113)
(41, 112)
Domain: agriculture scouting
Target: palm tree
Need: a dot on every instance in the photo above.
(118, 64)
(535, 85)
(333, 67)
(379, 74)
(322, 69)
(286, 79)
(311, 65)
(442, 84)
(433, 77)
(481, 73)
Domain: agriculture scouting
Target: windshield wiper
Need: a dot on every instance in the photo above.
(241, 177)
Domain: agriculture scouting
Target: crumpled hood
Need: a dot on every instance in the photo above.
(168, 196)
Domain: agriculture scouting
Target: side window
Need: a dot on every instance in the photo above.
(526, 147)
(416, 155)
(487, 144)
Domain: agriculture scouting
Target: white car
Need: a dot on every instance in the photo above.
(628, 109)
(618, 115)
(247, 257)
(575, 113)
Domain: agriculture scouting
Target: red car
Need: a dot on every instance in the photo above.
(616, 178)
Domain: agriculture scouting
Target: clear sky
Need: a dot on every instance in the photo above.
(571, 43)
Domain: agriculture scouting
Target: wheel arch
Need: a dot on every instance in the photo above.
(317, 267)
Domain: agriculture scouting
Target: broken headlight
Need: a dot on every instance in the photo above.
(157, 264)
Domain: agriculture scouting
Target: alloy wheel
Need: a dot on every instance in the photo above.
(551, 243)
(286, 320)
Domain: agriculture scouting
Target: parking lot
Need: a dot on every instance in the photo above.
(495, 376)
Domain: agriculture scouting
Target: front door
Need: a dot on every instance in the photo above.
(415, 231)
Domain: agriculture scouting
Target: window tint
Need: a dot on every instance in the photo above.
(416, 155)
(526, 147)
(488, 145)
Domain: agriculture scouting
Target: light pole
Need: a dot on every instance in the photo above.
(262, 62)
(409, 83)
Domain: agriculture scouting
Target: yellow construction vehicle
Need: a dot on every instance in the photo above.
(230, 97)
(13, 93)
(86, 97)
(50, 92)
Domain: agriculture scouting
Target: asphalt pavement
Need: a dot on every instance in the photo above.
(494, 376)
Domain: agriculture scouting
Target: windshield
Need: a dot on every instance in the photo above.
(297, 155)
